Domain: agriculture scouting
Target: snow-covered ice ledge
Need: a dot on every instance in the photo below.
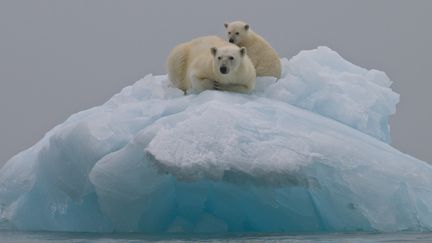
(307, 153)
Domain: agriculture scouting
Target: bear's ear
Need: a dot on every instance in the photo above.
(242, 51)
(246, 27)
(213, 51)
(226, 25)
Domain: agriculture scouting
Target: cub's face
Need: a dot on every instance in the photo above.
(236, 32)
(227, 59)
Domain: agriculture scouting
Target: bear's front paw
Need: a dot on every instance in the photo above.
(217, 85)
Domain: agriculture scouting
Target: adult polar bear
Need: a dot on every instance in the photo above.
(211, 63)
(262, 54)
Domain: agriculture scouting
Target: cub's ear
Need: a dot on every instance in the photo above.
(213, 51)
(246, 27)
(226, 25)
(242, 51)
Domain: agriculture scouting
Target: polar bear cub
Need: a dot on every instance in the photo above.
(262, 54)
(211, 63)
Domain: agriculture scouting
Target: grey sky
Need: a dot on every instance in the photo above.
(60, 57)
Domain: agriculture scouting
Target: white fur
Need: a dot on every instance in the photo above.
(262, 54)
(192, 65)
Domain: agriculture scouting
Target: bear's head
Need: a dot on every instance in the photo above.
(227, 59)
(236, 32)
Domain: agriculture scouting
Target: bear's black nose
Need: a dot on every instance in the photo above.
(223, 70)
(231, 40)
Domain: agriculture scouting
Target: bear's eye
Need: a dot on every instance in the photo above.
(231, 58)
(229, 33)
(219, 58)
(237, 33)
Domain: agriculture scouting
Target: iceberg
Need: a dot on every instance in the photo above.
(306, 153)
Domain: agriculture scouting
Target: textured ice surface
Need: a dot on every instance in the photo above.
(306, 153)
(323, 82)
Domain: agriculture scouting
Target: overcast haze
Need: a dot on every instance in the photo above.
(61, 57)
